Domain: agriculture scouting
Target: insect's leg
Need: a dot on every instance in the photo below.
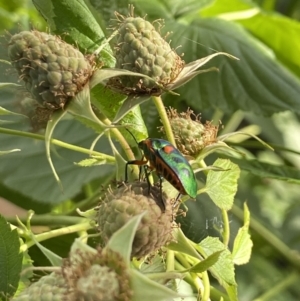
(133, 162)
(140, 172)
(147, 173)
(177, 200)
(161, 192)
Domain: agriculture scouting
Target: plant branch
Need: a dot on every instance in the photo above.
(164, 118)
(282, 285)
(226, 227)
(48, 220)
(108, 158)
(59, 232)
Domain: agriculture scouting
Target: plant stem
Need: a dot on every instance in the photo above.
(217, 295)
(218, 114)
(234, 122)
(188, 278)
(59, 232)
(282, 285)
(170, 260)
(48, 220)
(206, 287)
(108, 158)
(125, 146)
(290, 255)
(164, 118)
(226, 227)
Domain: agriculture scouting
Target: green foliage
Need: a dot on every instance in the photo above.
(10, 260)
(218, 251)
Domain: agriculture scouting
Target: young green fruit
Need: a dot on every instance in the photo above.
(49, 288)
(52, 70)
(125, 202)
(140, 48)
(191, 135)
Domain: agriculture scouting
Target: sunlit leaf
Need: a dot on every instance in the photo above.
(223, 269)
(121, 241)
(221, 186)
(243, 244)
(10, 259)
(73, 20)
(206, 263)
(148, 290)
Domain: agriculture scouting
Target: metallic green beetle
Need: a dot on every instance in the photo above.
(168, 163)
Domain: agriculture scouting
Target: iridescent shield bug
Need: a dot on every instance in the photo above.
(168, 163)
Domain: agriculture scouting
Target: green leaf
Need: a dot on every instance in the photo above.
(182, 244)
(73, 20)
(80, 106)
(257, 83)
(267, 170)
(109, 102)
(171, 9)
(7, 112)
(279, 33)
(243, 244)
(107, 8)
(148, 290)
(221, 186)
(54, 259)
(223, 269)
(131, 102)
(26, 274)
(206, 263)
(121, 241)
(10, 259)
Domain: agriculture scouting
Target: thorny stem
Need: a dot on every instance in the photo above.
(164, 118)
(290, 255)
(282, 285)
(108, 158)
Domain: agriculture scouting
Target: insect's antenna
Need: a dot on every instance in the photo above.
(132, 136)
(134, 139)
